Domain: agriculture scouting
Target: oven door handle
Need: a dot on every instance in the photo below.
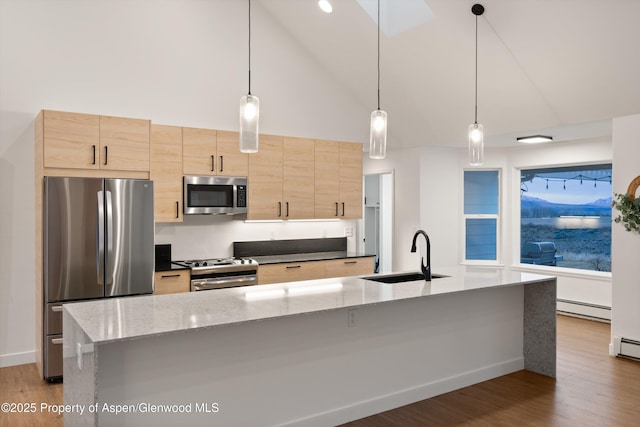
(205, 284)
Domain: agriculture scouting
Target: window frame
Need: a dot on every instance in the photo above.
(497, 217)
(517, 225)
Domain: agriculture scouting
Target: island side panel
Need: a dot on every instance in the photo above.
(79, 371)
(540, 327)
(314, 369)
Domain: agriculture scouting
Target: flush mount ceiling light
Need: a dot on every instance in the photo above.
(249, 112)
(325, 6)
(534, 139)
(378, 127)
(476, 132)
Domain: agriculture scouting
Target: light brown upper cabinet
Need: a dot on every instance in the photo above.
(231, 162)
(266, 179)
(124, 144)
(87, 141)
(71, 140)
(166, 172)
(298, 170)
(350, 180)
(327, 182)
(281, 176)
(211, 152)
(338, 180)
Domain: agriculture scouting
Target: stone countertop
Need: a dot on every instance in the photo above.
(117, 319)
(170, 267)
(302, 257)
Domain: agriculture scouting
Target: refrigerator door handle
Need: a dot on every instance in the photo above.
(100, 241)
(108, 262)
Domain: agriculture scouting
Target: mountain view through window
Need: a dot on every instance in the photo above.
(565, 217)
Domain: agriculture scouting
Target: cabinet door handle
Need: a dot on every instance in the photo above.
(213, 163)
(56, 308)
(177, 209)
(342, 208)
(291, 267)
(336, 208)
(351, 262)
(279, 209)
(106, 154)
(167, 276)
(221, 163)
(56, 341)
(287, 215)
(93, 149)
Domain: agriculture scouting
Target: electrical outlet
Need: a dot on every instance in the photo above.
(348, 232)
(352, 318)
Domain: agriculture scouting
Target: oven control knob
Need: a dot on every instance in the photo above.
(204, 263)
(197, 264)
(242, 261)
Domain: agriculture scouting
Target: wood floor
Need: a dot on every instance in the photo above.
(22, 384)
(592, 389)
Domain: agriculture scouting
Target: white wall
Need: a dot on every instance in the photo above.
(626, 245)
(405, 165)
(438, 182)
(440, 204)
(174, 62)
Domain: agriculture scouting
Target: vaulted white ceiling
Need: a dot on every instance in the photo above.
(562, 67)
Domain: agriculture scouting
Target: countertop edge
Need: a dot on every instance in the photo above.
(357, 283)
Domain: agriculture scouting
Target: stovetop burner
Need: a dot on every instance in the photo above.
(218, 263)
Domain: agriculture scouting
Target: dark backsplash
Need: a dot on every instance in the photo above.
(284, 247)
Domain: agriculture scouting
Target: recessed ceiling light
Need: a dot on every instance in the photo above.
(534, 139)
(325, 6)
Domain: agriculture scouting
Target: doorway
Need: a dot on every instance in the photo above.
(378, 219)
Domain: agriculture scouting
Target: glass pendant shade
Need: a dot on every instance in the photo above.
(249, 115)
(378, 135)
(476, 144)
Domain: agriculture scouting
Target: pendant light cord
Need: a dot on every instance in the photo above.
(249, 47)
(378, 54)
(476, 83)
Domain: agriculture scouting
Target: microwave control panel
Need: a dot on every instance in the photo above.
(242, 196)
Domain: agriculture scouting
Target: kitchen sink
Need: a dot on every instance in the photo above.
(401, 277)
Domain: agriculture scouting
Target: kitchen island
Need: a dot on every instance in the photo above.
(318, 352)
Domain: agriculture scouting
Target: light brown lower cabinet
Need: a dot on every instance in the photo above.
(172, 282)
(349, 267)
(311, 270)
(290, 272)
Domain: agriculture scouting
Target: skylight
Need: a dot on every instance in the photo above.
(397, 16)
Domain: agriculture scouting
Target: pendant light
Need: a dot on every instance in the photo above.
(476, 133)
(249, 112)
(378, 129)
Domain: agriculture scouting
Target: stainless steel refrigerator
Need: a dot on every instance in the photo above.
(98, 243)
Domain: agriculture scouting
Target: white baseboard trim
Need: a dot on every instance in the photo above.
(393, 400)
(14, 359)
(585, 310)
(625, 347)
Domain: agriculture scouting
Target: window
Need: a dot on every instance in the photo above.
(565, 217)
(481, 215)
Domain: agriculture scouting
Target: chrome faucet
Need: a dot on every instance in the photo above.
(426, 269)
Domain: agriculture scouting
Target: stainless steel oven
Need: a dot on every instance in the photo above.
(221, 273)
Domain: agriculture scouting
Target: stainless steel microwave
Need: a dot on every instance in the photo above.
(215, 195)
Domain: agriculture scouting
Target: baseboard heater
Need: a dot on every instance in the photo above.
(626, 347)
(582, 309)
